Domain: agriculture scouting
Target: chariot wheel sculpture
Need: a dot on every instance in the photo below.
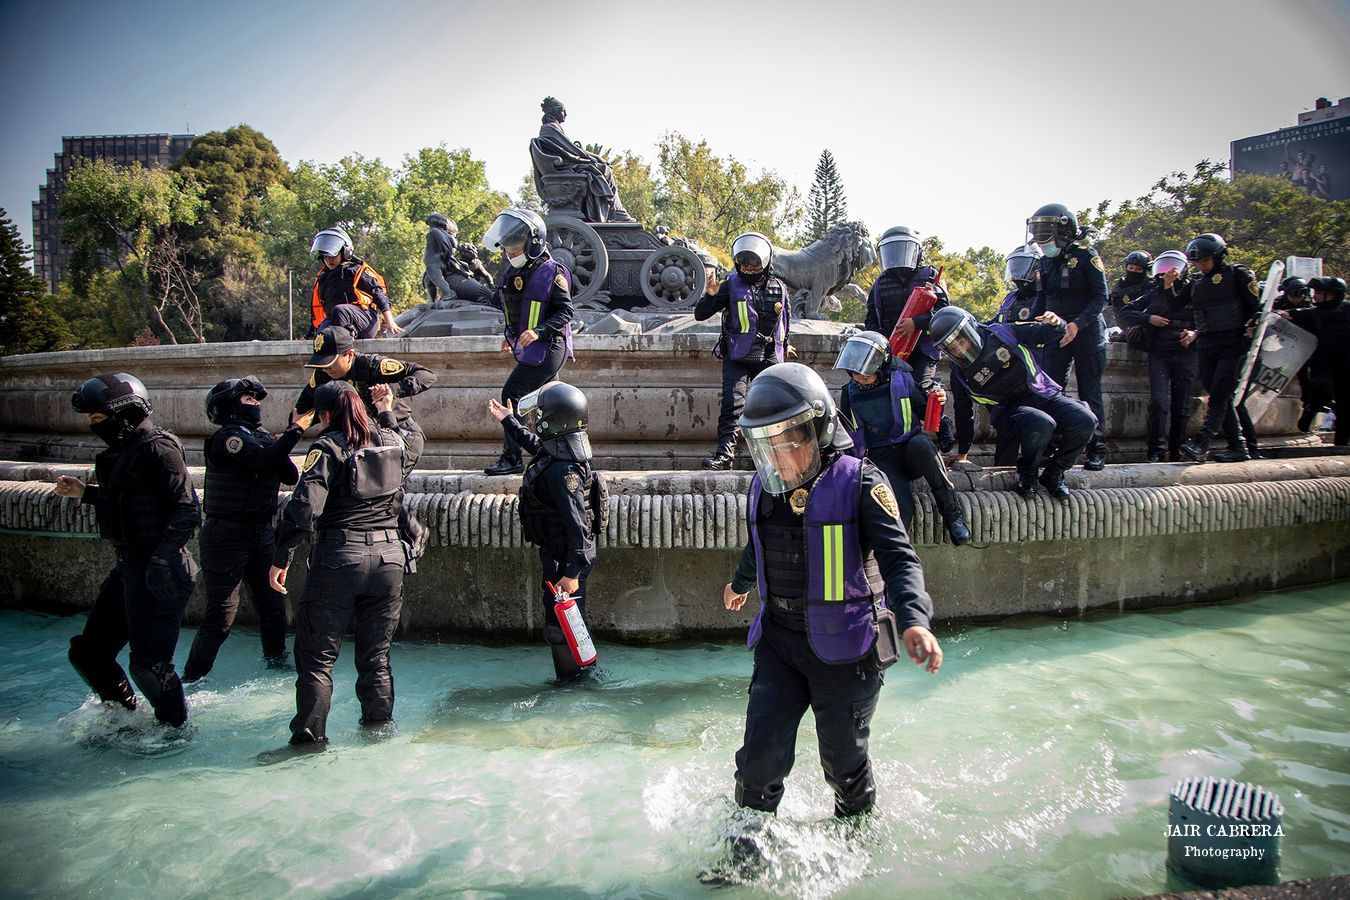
(578, 246)
(673, 278)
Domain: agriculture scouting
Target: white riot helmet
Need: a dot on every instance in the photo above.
(332, 242)
(752, 249)
(517, 228)
(900, 249)
(1170, 261)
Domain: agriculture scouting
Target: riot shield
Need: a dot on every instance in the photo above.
(1278, 351)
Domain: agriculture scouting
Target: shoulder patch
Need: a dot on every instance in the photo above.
(572, 481)
(561, 282)
(885, 499)
(1097, 264)
(234, 443)
(311, 460)
(390, 366)
(1251, 286)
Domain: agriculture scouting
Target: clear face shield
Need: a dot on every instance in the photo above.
(861, 356)
(901, 252)
(786, 454)
(1020, 265)
(527, 407)
(1171, 261)
(507, 233)
(963, 345)
(326, 244)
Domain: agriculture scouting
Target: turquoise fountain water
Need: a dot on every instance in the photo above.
(1038, 762)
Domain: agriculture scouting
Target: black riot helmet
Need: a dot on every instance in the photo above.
(957, 334)
(222, 401)
(1052, 224)
(1294, 287)
(1140, 258)
(1207, 245)
(517, 227)
(555, 409)
(118, 394)
(899, 248)
(789, 417)
(865, 353)
(1333, 289)
(1021, 265)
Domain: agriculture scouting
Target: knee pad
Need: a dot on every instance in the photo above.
(162, 688)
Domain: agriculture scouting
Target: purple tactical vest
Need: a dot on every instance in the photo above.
(743, 319)
(904, 422)
(528, 309)
(840, 623)
(922, 275)
(1037, 380)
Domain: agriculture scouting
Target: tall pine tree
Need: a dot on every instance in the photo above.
(26, 324)
(826, 206)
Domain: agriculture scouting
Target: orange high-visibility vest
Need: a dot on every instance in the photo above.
(363, 300)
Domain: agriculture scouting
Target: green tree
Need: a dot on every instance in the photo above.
(28, 322)
(127, 215)
(712, 200)
(1262, 218)
(451, 182)
(826, 205)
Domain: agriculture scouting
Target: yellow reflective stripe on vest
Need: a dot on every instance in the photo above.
(743, 313)
(1031, 365)
(985, 400)
(535, 307)
(832, 552)
(906, 416)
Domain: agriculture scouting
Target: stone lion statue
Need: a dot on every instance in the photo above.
(824, 268)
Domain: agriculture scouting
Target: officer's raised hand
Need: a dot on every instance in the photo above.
(68, 486)
(304, 420)
(1049, 318)
(922, 646)
(732, 600)
(382, 397)
(497, 411)
(711, 285)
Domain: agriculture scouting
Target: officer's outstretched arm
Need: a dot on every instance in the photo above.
(881, 531)
(306, 504)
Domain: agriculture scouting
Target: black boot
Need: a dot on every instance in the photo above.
(1026, 483)
(951, 517)
(1053, 481)
(1096, 460)
(1155, 456)
(505, 465)
(1196, 448)
(722, 460)
(1235, 453)
(162, 688)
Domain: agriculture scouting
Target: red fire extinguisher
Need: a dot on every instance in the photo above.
(932, 413)
(921, 300)
(573, 626)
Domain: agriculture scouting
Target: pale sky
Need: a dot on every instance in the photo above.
(957, 118)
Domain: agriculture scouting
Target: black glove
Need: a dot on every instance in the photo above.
(159, 579)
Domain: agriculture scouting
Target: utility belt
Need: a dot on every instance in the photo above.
(256, 523)
(789, 604)
(350, 535)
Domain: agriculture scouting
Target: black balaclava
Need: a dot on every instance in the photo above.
(119, 427)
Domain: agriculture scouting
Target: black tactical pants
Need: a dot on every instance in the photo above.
(524, 379)
(550, 563)
(1324, 385)
(1087, 354)
(915, 458)
(350, 583)
(1171, 374)
(1057, 426)
(789, 679)
(362, 323)
(235, 554)
(124, 612)
(736, 377)
(1220, 357)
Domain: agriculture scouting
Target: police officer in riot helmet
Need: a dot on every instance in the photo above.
(447, 274)
(834, 567)
(346, 506)
(755, 319)
(1226, 299)
(347, 291)
(1294, 294)
(1021, 268)
(1328, 382)
(883, 407)
(999, 365)
(147, 509)
(1131, 286)
(245, 467)
(1157, 321)
(1073, 287)
(536, 295)
(563, 502)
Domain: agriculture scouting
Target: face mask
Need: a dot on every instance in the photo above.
(518, 262)
(1050, 250)
(250, 415)
(113, 431)
(1134, 277)
(762, 273)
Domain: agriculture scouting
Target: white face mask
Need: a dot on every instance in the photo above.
(518, 262)
(1050, 250)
